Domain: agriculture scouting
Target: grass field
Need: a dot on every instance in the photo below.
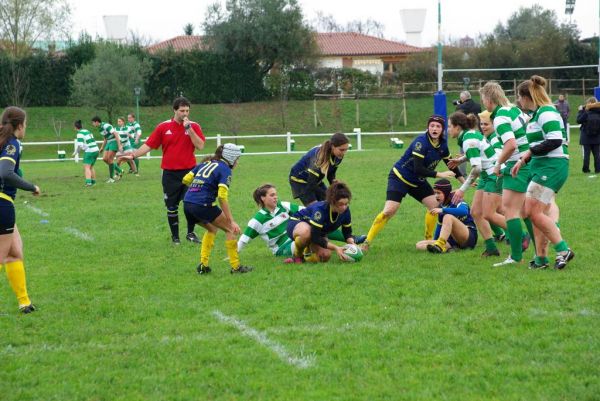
(123, 315)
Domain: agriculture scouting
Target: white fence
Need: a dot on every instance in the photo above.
(289, 138)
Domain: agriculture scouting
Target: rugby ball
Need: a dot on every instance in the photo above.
(354, 253)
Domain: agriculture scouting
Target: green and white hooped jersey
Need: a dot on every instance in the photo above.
(510, 122)
(86, 141)
(107, 131)
(134, 130)
(479, 152)
(547, 123)
(271, 227)
(124, 136)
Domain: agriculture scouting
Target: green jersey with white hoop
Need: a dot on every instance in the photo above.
(124, 137)
(135, 130)
(547, 123)
(270, 226)
(86, 142)
(509, 123)
(107, 131)
(478, 151)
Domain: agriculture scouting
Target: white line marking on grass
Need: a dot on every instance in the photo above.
(299, 362)
(79, 234)
(36, 210)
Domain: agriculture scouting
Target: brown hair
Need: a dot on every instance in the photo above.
(217, 156)
(260, 192)
(336, 191)
(535, 89)
(465, 122)
(12, 117)
(324, 155)
(180, 101)
(493, 92)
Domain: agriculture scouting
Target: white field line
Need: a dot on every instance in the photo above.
(36, 210)
(81, 235)
(301, 362)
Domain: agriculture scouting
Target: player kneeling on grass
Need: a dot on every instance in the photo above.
(456, 228)
(207, 182)
(270, 223)
(309, 227)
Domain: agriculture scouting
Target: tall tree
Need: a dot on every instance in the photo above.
(269, 32)
(22, 22)
(107, 82)
(188, 29)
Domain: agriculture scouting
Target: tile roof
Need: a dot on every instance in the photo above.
(357, 44)
(183, 42)
(330, 44)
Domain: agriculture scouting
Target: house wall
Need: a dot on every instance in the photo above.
(371, 64)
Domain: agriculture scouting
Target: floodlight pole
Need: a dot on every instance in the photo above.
(137, 91)
(597, 89)
(439, 98)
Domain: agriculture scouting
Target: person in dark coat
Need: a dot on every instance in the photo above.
(467, 105)
(589, 118)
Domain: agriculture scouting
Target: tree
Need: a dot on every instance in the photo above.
(268, 32)
(188, 29)
(107, 82)
(23, 22)
(327, 23)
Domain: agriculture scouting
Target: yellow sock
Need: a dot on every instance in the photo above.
(378, 224)
(441, 242)
(299, 252)
(430, 223)
(208, 242)
(312, 258)
(15, 271)
(232, 252)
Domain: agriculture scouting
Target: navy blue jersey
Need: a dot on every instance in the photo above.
(305, 169)
(208, 177)
(11, 150)
(461, 211)
(320, 215)
(420, 147)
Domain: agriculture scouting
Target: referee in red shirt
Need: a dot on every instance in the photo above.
(179, 138)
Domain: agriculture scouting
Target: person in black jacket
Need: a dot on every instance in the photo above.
(589, 118)
(466, 104)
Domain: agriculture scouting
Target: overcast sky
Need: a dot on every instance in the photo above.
(159, 20)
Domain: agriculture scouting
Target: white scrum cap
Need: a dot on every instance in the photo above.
(231, 152)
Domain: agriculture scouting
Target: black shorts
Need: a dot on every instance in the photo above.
(308, 193)
(397, 189)
(471, 241)
(7, 217)
(173, 187)
(202, 214)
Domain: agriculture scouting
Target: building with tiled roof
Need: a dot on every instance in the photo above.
(338, 50)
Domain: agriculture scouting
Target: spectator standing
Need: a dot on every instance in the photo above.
(179, 138)
(589, 118)
(563, 108)
(468, 105)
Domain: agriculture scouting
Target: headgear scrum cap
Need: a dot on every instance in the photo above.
(438, 119)
(231, 152)
(445, 186)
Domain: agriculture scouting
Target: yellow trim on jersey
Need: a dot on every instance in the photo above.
(189, 177)
(418, 154)
(297, 180)
(331, 216)
(313, 172)
(402, 178)
(346, 225)
(8, 198)
(8, 158)
(432, 144)
(223, 193)
(315, 224)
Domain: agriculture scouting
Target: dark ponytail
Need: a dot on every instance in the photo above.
(77, 124)
(336, 191)
(217, 156)
(324, 154)
(466, 122)
(260, 192)
(11, 119)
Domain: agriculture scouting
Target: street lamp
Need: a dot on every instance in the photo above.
(137, 91)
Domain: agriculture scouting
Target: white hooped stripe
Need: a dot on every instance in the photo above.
(301, 362)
